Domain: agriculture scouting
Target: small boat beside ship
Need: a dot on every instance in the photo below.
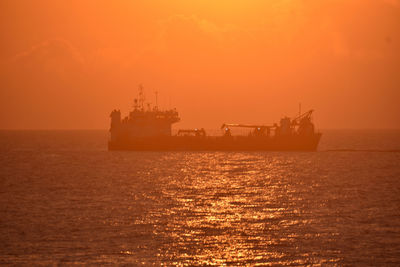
(151, 129)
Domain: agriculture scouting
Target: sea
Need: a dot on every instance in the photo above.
(65, 200)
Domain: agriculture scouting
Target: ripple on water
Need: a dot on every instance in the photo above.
(200, 208)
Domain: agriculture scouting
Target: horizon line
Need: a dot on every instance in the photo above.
(103, 129)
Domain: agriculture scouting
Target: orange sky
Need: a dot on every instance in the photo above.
(67, 64)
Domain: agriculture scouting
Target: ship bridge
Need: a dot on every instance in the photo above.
(143, 120)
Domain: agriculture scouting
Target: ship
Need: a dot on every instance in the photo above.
(148, 128)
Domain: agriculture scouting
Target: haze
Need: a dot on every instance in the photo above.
(67, 64)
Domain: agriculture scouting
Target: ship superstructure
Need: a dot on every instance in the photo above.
(147, 128)
(142, 121)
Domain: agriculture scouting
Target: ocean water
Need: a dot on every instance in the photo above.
(65, 200)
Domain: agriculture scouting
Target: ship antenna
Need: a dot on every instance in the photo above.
(156, 93)
(141, 96)
(299, 109)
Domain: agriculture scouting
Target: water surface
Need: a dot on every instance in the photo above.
(65, 200)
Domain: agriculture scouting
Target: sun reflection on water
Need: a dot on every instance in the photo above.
(236, 209)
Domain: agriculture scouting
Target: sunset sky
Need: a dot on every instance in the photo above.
(68, 64)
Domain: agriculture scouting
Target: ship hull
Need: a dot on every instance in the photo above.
(237, 143)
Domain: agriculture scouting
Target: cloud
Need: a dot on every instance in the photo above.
(188, 33)
(57, 49)
(51, 57)
(395, 3)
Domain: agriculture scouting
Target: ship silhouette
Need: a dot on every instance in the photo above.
(149, 128)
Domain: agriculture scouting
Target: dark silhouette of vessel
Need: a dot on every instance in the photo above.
(150, 129)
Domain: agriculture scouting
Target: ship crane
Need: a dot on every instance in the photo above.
(306, 115)
(304, 123)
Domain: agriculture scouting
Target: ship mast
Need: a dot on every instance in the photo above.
(299, 109)
(156, 93)
(141, 97)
